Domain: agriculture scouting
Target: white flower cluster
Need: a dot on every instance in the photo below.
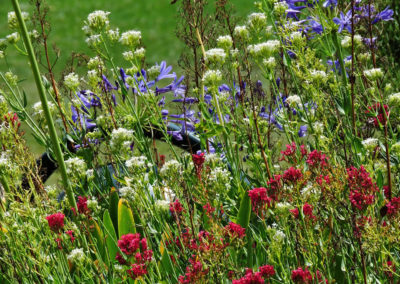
(93, 40)
(121, 138)
(394, 100)
(270, 62)
(13, 21)
(280, 7)
(318, 127)
(293, 101)
(113, 35)
(225, 42)
(346, 41)
(76, 167)
(264, 49)
(212, 78)
(241, 32)
(92, 204)
(162, 205)
(127, 192)
(171, 169)
(220, 178)
(95, 63)
(138, 165)
(38, 109)
(257, 21)
(373, 74)
(71, 81)
(215, 56)
(13, 38)
(97, 20)
(396, 148)
(131, 38)
(370, 143)
(318, 76)
(76, 255)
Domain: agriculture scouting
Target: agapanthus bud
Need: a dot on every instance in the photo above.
(131, 38)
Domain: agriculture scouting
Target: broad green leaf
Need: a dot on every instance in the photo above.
(126, 223)
(243, 217)
(110, 235)
(113, 208)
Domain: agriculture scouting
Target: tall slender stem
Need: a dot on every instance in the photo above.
(45, 106)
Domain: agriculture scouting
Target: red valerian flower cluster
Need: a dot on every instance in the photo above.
(292, 175)
(70, 233)
(259, 199)
(82, 205)
(275, 185)
(135, 248)
(301, 275)
(393, 206)
(198, 161)
(362, 189)
(308, 211)
(295, 212)
(12, 120)
(194, 272)
(56, 221)
(209, 209)
(175, 207)
(266, 271)
(289, 154)
(317, 159)
(235, 230)
(389, 268)
(380, 117)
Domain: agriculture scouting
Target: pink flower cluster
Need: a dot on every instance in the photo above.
(292, 175)
(266, 271)
(235, 230)
(56, 221)
(175, 207)
(259, 199)
(301, 275)
(135, 248)
(316, 158)
(362, 189)
(194, 272)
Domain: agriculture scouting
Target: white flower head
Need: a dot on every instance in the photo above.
(76, 167)
(13, 21)
(131, 38)
(13, 38)
(71, 81)
(257, 21)
(373, 74)
(264, 49)
(225, 42)
(119, 137)
(97, 20)
(212, 78)
(93, 40)
(76, 255)
(370, 143)
(293, 101)
(241, 32)
(113, 35)
(394, 100)
(215, 56)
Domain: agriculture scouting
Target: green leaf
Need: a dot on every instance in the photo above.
(113, 208)
(110, 235)
(98, 238)
(243, 217)
(126, 223)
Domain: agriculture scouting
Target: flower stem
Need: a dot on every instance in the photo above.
(43, 99)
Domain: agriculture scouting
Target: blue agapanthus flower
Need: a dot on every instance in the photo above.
(385, 15)
(330, 3)
(344, 21)
(302, 131)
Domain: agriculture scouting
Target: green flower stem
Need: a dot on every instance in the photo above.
(43, 99)
(4, 183)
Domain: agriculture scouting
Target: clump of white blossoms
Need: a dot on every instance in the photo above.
(128, 55)
(293, 101)
(318, 76)
(346, 41)
(121, 138)
(241, 32)
(171, 169)
(76, 256)
(127, 192)
(225, 42)
(11, 78)
(394, 100)
(71, 81)
(318, 127)
(264, 49)
(373, 74)
(219, 180)
(297, 38)
(257, 21)
(212, 78)
(137, 165)
(131, 38)
(280, 8)
(215, 56)
(370, 143)
(162, 206)
(13, 38)
(140, 53)
(38, 109)
(95, 63)
(93, 40)
(98, 20)
(270, 62)
(113, 35)
(76, 167)
(13, 21)
(92, 204)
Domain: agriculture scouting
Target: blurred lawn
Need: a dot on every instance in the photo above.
(156, 19)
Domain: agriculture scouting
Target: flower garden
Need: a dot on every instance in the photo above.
(269, 153)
